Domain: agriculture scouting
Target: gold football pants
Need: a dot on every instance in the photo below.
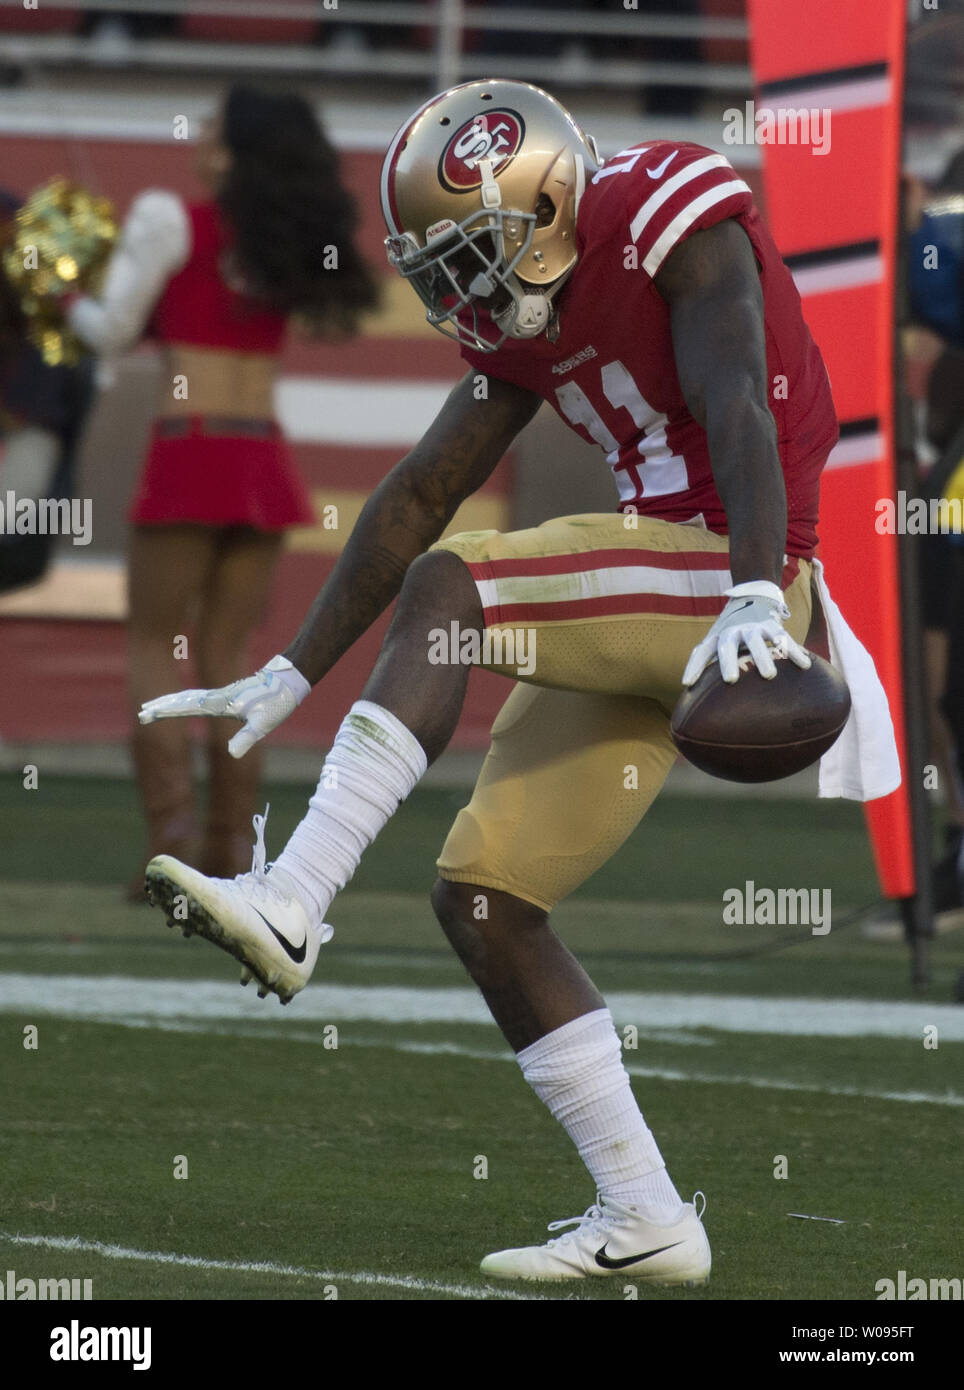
(595, 617)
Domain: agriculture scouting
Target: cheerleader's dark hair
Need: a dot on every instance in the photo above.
(287, 208)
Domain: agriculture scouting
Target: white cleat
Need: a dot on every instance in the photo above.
(612, 1239)
(250, 917)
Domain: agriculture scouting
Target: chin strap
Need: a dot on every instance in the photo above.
(491, 192)
(528, 315)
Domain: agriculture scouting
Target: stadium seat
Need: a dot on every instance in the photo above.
(40, 21)
(724, 50)
(225, 30)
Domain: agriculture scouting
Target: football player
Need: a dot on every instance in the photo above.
(644, 299)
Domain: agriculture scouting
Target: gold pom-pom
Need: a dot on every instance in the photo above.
(61, 242)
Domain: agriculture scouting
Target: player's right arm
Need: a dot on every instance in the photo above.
(406, 513)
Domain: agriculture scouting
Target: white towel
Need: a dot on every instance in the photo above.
(863, 764)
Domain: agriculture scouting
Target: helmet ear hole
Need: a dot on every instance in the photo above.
(545, 211)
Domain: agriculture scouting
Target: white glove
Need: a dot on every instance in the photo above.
(752, 618)
(262, 701)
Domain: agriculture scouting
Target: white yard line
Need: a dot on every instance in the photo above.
(767, 1083)
(270, 1026)
(773, 1083)
(116, 998)
(326, 1276)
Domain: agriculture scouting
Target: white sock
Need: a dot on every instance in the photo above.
(577, 1071)
(373, 765)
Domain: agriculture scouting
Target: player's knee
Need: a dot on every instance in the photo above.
(439, 581)
(451, 902)
(482, 924)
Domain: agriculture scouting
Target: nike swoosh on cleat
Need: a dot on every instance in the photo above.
(297, 953)
(604, 1261)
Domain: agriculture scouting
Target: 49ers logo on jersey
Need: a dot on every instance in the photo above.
(494, 135)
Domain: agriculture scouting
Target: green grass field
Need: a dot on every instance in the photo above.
(313, 1167)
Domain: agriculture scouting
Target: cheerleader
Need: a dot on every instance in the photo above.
(214, 283)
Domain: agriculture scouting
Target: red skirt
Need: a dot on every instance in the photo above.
(220, 473)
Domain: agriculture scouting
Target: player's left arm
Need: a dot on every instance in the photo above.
(712, 286)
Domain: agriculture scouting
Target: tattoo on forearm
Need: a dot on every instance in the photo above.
(408, 511)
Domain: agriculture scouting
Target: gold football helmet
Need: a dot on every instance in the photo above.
(480, 191)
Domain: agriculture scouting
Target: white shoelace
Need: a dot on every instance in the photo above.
(594, 1216)
(258, 867)
(604, 1220)
(256, 881)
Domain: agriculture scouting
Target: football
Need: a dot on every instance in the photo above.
(760, 730)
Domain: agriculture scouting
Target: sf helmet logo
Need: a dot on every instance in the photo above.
(494, 135)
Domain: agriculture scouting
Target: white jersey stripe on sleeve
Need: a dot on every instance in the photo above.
(685, 219)
(666, 190)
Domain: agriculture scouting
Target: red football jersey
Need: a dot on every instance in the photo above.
(611, 373)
